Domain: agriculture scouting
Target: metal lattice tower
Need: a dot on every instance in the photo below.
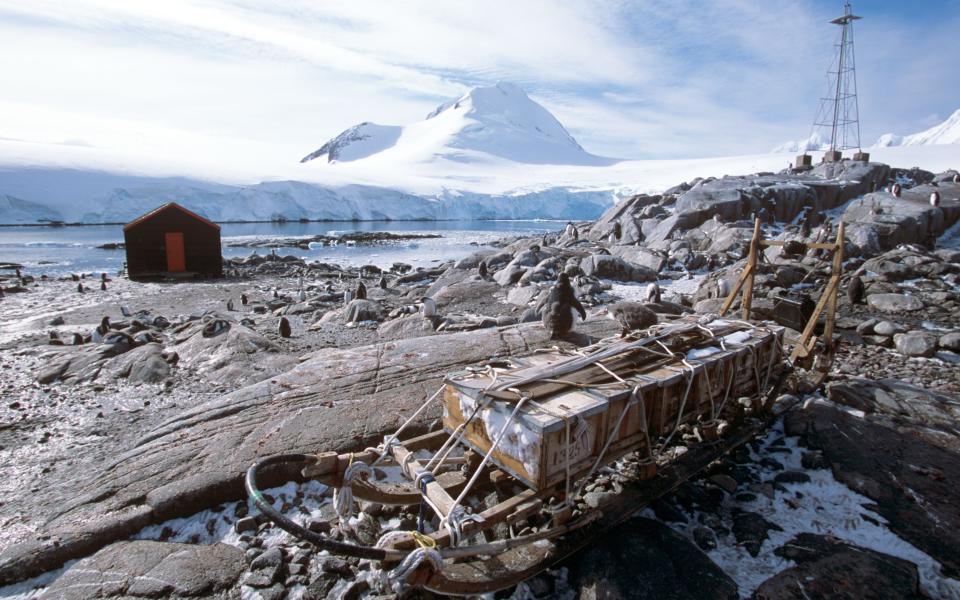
(839, 114)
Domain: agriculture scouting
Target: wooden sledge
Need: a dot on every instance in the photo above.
(658, 406)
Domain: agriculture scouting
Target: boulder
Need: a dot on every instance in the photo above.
(916, 343)
(363, 310)
(894, 303)
(602, 266)
(645, 559)
(829, 568)
(950, 341)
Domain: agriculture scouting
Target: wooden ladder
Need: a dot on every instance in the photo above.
(828, 299)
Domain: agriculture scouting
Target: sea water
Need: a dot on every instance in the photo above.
(62, 250)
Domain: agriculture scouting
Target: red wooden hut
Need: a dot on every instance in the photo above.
(171, 240)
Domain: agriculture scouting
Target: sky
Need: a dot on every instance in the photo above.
(630, 79)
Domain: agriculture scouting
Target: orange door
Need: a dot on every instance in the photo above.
(176, 261)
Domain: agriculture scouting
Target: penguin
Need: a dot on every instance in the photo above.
(1, 292)
(873, 186)
(558, 308)
(956, 178)
(383, 282)
(569, 229)
(230, 304)
(576, 234)
(935, 199)
(482, 269)
(300, 282)
(283, 327)
(428, 307)
(243, 299)
(612, 238)
(855, 290)
(617, 230)
(896, 190)
(723, 288)
(360, 293)
(100, 330)
(80, 288)
(632, 316)
(77, 339)
(103, 286)
(302, 295)
(805, 227)
(347, 296)
(653, 293)
(275, 294)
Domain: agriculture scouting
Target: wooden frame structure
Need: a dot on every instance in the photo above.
(828, 299)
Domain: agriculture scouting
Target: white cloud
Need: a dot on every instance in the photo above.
(636, 79)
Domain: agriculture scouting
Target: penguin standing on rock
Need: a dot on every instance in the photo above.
(360, 293)
(283, 327)
(617, 230)
(77, 339)
(79, 288)
(74, 277)
(558, 307)
(723, 288)
(230, 304)
(653, 293)
(855, 290)
(428, 307)
(935, 199)
(275, 294)
(243, 299)
(383, 282)
(482, 269)
(896, 190)
(101, 330)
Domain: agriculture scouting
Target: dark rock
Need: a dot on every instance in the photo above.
(611, 267)
(814, 460)
(705, 538)
(644, 559)
(792, 477)
(829, 568)
(950, 341)
(751, 529)
(245, 524)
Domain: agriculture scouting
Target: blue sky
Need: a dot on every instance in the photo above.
(653, 79)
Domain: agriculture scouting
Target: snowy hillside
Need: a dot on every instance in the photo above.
(486, 123)
(947, 132)
(814, 142)
(19, 212)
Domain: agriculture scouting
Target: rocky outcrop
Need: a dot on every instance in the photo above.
(333, 400)
(645, 559)
(144, 569)
(829, 568)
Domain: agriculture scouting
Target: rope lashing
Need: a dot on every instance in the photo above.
(384, 448)
(424, 478)
(343, 496)
(398, 579)
(455, 521)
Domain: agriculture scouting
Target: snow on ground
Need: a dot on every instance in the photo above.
(637, 292)
(822, 506)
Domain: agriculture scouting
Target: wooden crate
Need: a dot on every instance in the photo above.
(580, 421)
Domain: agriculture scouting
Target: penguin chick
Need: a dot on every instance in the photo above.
(360, 293)
(482, 269)
(632, 316)
(243, 299)
(383, 282)
(855, 289)
(558, 307)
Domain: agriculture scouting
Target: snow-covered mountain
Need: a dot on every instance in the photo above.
(498, 122)
(947, 132)
(814, 142)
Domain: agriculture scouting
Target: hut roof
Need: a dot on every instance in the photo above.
(143, 218)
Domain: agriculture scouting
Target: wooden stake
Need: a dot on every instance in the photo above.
(751, 270)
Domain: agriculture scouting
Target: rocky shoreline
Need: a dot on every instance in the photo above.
(137, 435)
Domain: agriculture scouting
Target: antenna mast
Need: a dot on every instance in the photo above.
(839, 112)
